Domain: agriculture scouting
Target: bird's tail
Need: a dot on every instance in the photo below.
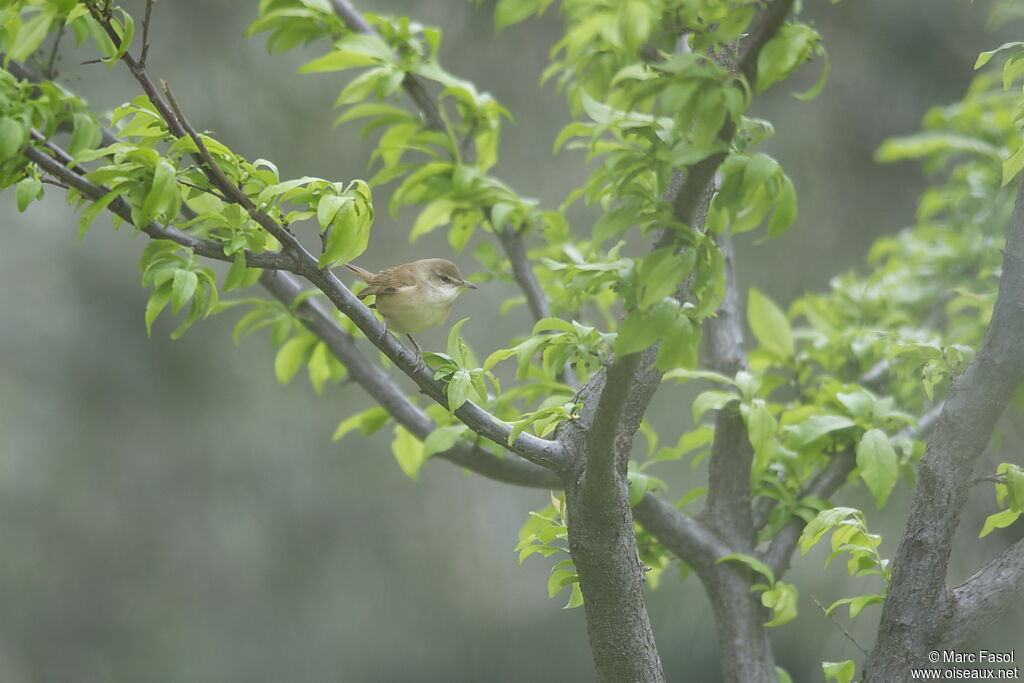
(361, 272)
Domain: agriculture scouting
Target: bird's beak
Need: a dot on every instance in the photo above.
(467, 284)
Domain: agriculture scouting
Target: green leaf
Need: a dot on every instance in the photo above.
(319, 367)
(29, 189)
(508, 12)
(984, 57)
(752, 562)
(356, 49)
(86, 134)
(925, 144)
(442, 438)
(762, 428)
(818, 426)
(458, 389)
(183, 288)
(560, 578)
(576, 599)
(679, 346)
(788, 49)
(1012, 70)
(368, 421)
(878, 464)
(236, 275)
(433, 215)
(290, 357)
(782, 600)
(31, 35)
(1014, 485)
(639, 485)
(686, 374)
(640, 329)
(162, 195)
(999, 520)
(498, 356)
(856, 604)
(336, 61)
(158, 300)
(785, 209)
(840, 672)
(408, 452)
(661, 272)
(710, 400)
(350, 234)
(822, 522)
(815, 90)
(572, 130)
(12, 136)
(1013, 165)
(456, 347)
(769, 324)
(327, 209)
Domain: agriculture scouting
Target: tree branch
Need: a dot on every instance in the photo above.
(511, 240)
(728, 507)
(286, 288)
(510, 469)
(686, 537)
(207, 248)
(607, 439)
(918, 608)
(823, 485)
(699, 176)
(538, 451)
(725, 331)
(985, 596)
(411, 84)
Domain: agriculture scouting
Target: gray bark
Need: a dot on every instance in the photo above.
(920, 611)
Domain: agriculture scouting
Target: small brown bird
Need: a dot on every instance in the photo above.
(414, 296)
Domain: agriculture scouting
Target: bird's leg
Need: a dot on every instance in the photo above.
(419, 351)
(420, 362)
(416, 346)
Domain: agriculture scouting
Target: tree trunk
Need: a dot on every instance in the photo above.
(604, 550)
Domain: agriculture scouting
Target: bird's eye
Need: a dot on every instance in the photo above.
(445, 278)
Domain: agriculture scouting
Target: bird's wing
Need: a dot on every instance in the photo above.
(387, 281)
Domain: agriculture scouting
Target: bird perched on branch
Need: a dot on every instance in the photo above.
(414, 296)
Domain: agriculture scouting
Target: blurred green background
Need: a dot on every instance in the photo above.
(169, 513)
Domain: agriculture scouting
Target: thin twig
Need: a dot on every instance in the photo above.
(53, 181)
(50, 71)
(145, 33)
(286, 287)
(207, 190)
(839, 626)
(209, 249)
(510, 240)
(995, 478)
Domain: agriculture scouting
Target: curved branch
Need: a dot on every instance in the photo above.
(537, 450)
(699, 176)
(985, 596)
(285, 287)
(686, 537)
(207, 248)
(606, 436)
(728, 508)
(510, 469)
(412, 85)
(823, 485)
(918, 608)
(511, 240)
